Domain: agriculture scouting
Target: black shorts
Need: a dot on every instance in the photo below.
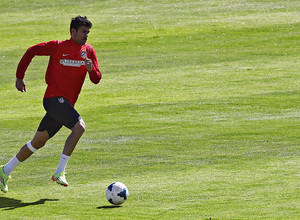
(60, 112)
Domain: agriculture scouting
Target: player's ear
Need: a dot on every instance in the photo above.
(73, 31)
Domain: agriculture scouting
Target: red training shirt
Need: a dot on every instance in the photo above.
(66, 69)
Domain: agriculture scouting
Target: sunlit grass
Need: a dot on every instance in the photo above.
(197, 112)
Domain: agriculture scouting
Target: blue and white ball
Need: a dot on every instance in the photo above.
(117, 193)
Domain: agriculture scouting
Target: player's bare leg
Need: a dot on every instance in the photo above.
(38, 141)
(74, 137)
(70, 145)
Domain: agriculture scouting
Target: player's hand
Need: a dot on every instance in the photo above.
(89, 64)
(21, 85)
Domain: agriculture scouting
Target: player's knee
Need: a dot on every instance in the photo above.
(40, 139)
(39, 144)
(79, 127)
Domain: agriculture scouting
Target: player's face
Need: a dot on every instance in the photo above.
(81, 35)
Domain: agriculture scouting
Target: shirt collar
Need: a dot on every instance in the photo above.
(74, 43)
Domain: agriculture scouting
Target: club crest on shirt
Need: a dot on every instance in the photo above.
(83, 54)
(61, 100)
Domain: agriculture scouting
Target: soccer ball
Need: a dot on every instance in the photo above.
(117, 193)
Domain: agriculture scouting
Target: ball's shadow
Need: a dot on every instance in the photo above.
(109, 207)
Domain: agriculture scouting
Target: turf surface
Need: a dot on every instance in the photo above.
(197, 112)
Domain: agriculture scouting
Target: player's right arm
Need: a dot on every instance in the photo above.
(42, 49)
(21, 85)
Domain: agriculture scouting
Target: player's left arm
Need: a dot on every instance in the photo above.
(91, 64)
(42, 49)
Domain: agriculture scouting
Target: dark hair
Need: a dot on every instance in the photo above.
(79, 21)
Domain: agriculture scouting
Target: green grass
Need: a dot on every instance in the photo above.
(197, 112)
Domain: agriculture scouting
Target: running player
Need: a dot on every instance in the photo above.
(69, 62)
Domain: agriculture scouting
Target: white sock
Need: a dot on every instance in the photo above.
(62, 163)
(11, 165)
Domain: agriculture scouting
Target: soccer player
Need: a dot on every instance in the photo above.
(69, 62)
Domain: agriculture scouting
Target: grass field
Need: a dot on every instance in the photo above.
(197, 112)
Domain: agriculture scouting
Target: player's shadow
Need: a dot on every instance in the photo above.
(10, 204)
(109, 207)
